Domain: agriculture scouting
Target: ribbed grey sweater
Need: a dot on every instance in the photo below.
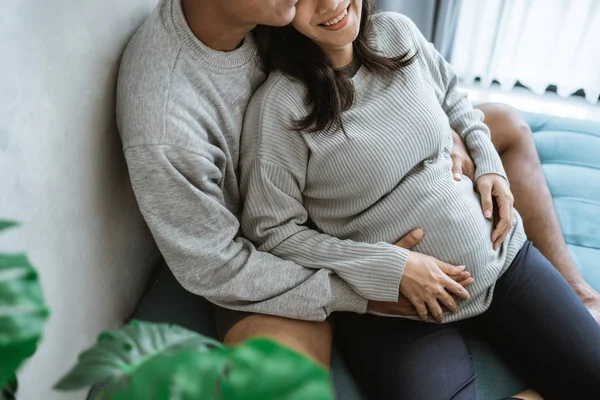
(390, 173)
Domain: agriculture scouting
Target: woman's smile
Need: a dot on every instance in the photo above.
(337, 22)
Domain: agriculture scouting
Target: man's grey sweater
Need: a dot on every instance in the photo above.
(390, 172)
(180, 111)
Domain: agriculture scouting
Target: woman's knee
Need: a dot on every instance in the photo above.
(312, 339)
(508, 127)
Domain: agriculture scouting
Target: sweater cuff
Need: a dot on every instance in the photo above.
(343, 298)
(488, 162)
(383, 282)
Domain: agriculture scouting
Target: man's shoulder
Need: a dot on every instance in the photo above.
(145, 74)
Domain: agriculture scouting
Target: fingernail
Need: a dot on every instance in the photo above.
(487, 214)
(419, 234)
(458, 176)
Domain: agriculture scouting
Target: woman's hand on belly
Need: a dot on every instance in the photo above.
(403, 306)
(426, 283)
(492, 186)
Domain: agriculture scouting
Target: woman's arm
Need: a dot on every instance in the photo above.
(490, 177)
(464, 119)
(274, 219)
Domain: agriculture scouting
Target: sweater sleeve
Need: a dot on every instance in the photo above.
(181, 198)
(464, 119)
(274, 218)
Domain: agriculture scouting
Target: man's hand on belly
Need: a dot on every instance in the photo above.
(403, 306)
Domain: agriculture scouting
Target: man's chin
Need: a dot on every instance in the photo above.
(284, 19)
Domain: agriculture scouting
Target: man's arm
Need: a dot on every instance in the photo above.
(180, 196)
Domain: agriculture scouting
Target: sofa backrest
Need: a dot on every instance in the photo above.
(63, 175)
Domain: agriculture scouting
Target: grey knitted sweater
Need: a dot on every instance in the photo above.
(390, 173)
(180, 108)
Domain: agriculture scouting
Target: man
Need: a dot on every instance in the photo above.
(185, 80)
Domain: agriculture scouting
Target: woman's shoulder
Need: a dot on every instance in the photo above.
(269, 125)
(395, 33)
(280, 93)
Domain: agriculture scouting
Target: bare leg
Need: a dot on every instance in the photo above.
(312, 339)
(528, 395)
(513, 140)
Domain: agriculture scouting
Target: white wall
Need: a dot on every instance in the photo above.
(422, 12)
(63, 175)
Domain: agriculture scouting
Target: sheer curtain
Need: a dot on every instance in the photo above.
(536, 42)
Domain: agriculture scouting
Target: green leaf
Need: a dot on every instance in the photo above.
(162, 362)
(121, 354)
(181, 375)
(258, 370)
(7, 224)
(264, 370)
(23, 312)
(10, 390)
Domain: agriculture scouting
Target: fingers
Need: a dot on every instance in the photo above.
(502, 229)
(422, 310)
(457, 170)
(505, 215)
(448, 301)
(466, 282)
(411, 240)
(468, 169)
(459, 277)
(464, 279)
(457, 289)
(450, 270)
(484, 187)
(436, 310)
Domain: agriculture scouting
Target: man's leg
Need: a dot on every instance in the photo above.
(513, 139)
(312, 339)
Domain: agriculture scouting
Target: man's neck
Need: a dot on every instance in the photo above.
(212, 27)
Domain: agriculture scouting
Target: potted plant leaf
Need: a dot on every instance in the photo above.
(163, 362)
(23, 314)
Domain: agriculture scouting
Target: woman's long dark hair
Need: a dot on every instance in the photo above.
(330, 92)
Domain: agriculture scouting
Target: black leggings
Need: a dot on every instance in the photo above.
(536, 322)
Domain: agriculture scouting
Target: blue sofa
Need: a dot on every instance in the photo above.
(569, 151)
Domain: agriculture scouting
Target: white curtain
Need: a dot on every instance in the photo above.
(536, 42)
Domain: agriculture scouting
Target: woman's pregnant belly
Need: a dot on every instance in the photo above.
(449, 212)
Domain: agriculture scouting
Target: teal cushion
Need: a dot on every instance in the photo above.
(569, 151)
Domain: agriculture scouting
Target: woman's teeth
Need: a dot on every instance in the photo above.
(337, 19)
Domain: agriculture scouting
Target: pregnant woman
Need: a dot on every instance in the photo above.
(346, 148)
